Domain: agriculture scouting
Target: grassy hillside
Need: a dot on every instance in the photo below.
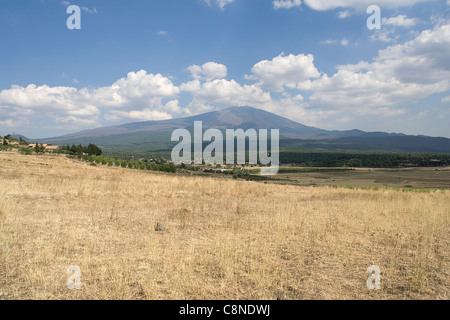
(225, 239)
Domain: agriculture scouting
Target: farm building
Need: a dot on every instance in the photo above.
(46, 146)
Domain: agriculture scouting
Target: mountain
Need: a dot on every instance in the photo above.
(155, 135)
(19, 136)
(231, 118)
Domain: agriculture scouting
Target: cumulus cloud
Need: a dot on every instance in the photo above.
(223, 92)
(208, 71)
(384, 35)
(138, 89)
(286, 4)
(283, 71)
(138, 96)
(400, 73)
(401, 21)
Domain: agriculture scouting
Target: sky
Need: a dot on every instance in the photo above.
(316, 62)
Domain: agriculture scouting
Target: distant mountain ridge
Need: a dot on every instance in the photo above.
(231, 118)
(155, 135)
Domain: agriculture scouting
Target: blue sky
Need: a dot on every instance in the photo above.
(312, 61)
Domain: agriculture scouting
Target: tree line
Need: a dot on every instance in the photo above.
(130, 164)
(90, 150)
(364, 160)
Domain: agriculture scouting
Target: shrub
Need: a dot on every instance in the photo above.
(26, 151)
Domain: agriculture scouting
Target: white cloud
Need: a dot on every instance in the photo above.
(86, 9)
(329, 41)
(138, 89)
(172, 107)
(286, 4)
(191, 86)
(401, 21)
(226, 93)
(11, 123)
(208, 71)
(220, 3)
(344, 42)
(284, 71)
(322, 5)
(344, 14)
(446, 99)
(138, 115)
(400, 73)
(384, 35)
(138, 95)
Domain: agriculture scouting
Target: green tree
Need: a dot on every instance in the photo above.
(39, 148)
(92, 149)
(25, 151)
(23, 142)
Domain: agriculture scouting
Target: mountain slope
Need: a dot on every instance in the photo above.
(231, 118)
(155, 135)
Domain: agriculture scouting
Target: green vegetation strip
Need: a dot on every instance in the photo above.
(388, 188)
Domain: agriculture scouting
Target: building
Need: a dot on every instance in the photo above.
(33, 145)
(51, 148)
(46, 147)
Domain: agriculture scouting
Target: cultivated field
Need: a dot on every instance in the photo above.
(225, 238)
(410, 178)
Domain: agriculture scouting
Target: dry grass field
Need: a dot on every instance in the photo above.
(225, 239)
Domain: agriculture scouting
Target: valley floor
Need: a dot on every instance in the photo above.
(224, 238)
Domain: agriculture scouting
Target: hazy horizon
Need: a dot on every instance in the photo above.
(121, 124)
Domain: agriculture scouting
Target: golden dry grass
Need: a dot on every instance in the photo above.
(225, 239)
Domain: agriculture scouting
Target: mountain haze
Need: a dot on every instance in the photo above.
(155, 135)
